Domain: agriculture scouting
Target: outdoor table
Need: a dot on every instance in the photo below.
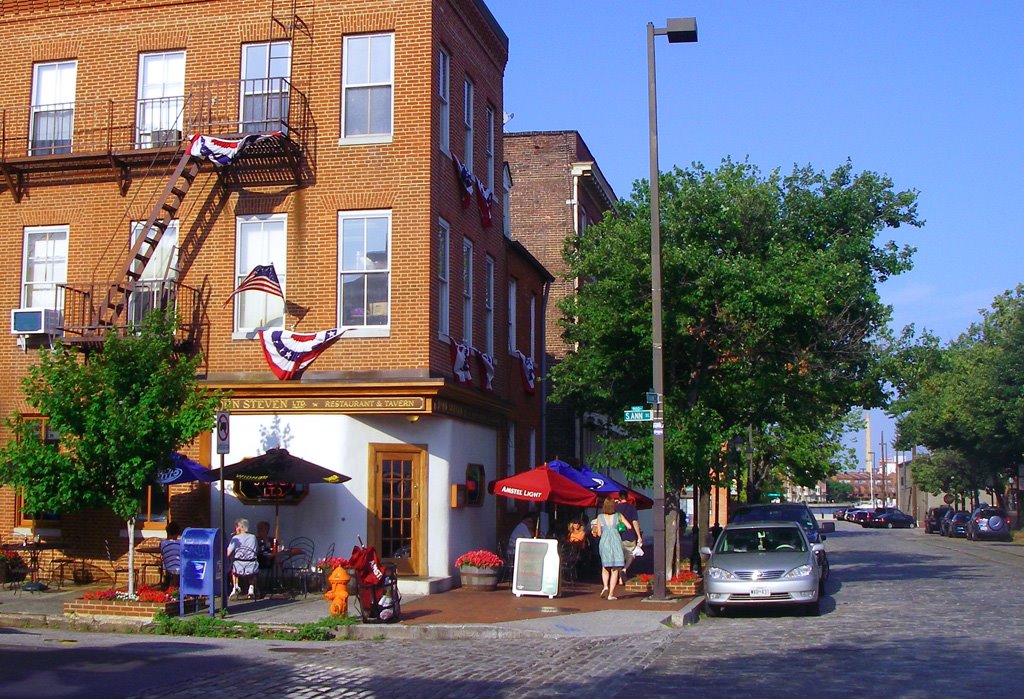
(280, 556)
(33, 549)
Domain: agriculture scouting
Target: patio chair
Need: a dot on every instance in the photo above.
(171, 563)
(296, 569)
(59, 565)
(317, 577)
(116, 567)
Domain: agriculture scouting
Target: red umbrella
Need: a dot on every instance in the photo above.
(541, 484)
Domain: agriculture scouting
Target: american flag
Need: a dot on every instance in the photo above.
(460, 352)
(484, 199)
(527, 372)
(288, 353)
(466, 179)
(261, 278)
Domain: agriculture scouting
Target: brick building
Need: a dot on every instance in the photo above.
(558, 190)
(355, 198)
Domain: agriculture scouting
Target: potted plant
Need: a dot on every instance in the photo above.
(640, 583)
(479, 569)
(685, 583)
(11, 565)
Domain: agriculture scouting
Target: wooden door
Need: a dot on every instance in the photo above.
(398, 522)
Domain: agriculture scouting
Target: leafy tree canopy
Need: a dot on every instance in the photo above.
(119, 414)
(771, 313)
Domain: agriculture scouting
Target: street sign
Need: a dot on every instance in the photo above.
(659, 428)
(638, 414)
(223, 432)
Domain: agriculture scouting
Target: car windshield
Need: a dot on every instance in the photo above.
(774, 514)
(748, 540)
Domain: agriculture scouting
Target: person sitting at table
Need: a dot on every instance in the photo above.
(170, 554)
(523, 530)
(244, 565)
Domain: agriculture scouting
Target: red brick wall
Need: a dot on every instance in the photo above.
(409, 176)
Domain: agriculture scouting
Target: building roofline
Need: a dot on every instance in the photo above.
(495, 27)
(533, 261)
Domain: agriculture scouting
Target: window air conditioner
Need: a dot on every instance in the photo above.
(36, 321)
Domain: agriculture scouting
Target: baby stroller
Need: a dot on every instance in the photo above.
(377, 595)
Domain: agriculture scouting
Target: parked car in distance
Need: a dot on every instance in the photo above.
(790, 512)
(987, 522)
(762, 563)
(858, 516)
(946, 522)
(958, 524)
(933, 522)
(892, 518)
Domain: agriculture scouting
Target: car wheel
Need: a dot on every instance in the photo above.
(888, 525)
(712, 610)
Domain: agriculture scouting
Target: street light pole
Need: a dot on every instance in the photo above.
(677, 31)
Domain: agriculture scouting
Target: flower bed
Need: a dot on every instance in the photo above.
(686, 584)
(641, 583)
(116, 604)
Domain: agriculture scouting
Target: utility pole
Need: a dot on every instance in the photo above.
(868, 456)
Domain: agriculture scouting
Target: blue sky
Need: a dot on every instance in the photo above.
(928, 92)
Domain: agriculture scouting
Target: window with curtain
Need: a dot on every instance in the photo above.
(260, 240)
(364, 264)
(367, 87)
(44, 266)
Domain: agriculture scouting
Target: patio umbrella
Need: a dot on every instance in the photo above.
(543, 484)
(183, 470)
(278, 466)
(608, 486)
(564, 469)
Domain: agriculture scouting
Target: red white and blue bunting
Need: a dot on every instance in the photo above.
(288, 353)
(460, 361)
(487, 366)
(527, 372)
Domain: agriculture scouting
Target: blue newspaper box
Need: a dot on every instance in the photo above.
(201, 572)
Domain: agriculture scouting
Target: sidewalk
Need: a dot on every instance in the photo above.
(579, 611)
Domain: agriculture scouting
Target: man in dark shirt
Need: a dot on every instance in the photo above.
(632, 537)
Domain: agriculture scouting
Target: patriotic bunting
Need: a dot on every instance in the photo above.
(223, 151)
(484, 199)
(261, 278)
(460, 361)
(288, 353)
(487, 365)
(465, 181)
(526, 367)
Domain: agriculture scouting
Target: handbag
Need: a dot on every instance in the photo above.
(621, 526)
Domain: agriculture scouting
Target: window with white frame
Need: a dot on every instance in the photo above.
(266, 68)
(489, 305)
(444, 75)
(443, 277)
(45, 265)
(506, 200)
(367, 87)
(467, 124)
(510, 464)
(512, 344)
(467, 291)
(155, 288)
(260, 240)
(161, 99)
(489, 148)
(53, 107)
(364, 266)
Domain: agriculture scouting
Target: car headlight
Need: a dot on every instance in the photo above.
(799, 572)
(719, 574)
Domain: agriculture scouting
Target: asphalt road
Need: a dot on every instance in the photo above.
(907, 615)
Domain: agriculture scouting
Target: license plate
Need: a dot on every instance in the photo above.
(760, 592)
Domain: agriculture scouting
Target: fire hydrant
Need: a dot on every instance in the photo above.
(338, 594)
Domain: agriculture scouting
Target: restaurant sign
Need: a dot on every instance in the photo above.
(397, 404)
(536, 568)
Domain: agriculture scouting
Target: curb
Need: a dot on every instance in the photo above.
(690, 614)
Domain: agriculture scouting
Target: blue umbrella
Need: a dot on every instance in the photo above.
(563, 469)
(183, 470)
(599, 483)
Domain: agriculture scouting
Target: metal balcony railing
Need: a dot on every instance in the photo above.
(81, 308)
(43, 133)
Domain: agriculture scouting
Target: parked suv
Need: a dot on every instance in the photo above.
(790, 512)
(988, 522)
(933, 522)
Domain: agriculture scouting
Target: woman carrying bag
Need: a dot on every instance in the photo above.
(608, 527)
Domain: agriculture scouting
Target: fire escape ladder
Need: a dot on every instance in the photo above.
(164, 211)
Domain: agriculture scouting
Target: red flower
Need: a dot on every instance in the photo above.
(479, 559)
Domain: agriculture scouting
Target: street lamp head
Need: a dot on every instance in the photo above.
(681, 30)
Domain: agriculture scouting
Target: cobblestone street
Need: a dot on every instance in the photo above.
(907, 614)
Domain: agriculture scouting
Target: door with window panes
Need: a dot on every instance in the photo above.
(398, 521)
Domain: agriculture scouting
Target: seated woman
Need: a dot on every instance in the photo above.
(244, 564)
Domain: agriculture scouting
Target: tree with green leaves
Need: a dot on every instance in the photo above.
(965, 402)
(772, 315)
(839, 491)
(119, 413)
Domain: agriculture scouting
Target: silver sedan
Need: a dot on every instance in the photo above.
(756, 563)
